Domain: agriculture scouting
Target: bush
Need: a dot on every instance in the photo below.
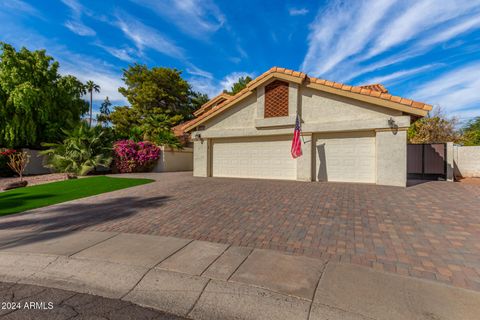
(83, 150)
(131, 156)
(5, 170)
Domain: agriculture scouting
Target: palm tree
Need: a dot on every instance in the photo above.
(83, 149)
(91, 86)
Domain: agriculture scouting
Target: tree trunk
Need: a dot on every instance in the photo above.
(91, 108)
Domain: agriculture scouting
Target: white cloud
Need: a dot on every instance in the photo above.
(389, 78)
(75, 24)
(79, 28)
(298, 11)
(124, 54)
(75, 6)
(453, 31)
(193, 70)
(197, 18)
(20, 6)
(344, 37)
(85, 68)
(230, 79)
(204, 85)
(146, 37)
(212, 86)
(413, 22)
(341, 31)
(455, 91)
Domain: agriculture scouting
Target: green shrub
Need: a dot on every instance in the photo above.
(83, 149)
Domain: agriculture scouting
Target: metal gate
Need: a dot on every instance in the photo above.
(427, 161)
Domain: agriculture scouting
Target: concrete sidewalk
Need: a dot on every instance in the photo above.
(204, 280)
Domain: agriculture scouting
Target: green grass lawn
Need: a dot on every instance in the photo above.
(22, 199)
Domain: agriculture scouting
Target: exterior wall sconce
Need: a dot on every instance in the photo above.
(393, 125)
(198, 137)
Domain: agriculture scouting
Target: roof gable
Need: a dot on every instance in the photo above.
(375, 94)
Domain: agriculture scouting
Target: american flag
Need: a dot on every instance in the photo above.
(296, 143)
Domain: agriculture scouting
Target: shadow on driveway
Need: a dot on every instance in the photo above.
(52, 222)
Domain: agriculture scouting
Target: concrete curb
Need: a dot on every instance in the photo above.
(169, 291)
(204, 280)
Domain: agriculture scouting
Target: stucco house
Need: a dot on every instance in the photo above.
(349, 133)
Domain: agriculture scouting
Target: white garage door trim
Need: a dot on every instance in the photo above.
(346, 157)
(253, 157)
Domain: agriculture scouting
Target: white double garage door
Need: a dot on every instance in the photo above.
(343, 157)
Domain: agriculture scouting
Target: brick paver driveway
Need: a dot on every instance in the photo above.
(431, 230)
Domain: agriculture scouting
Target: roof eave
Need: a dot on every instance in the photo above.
(299, 78)
(373, 100)
(211, 102)
(223, 108)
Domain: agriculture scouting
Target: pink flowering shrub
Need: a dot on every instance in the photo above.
(5, 170)
(131, 156)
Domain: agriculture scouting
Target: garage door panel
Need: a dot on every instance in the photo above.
(267, 158)
(346, 157)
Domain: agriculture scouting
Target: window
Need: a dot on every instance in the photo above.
(276, 99)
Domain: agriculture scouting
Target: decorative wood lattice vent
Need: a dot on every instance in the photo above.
(276, 99)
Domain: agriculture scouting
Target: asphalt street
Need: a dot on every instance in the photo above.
(21, 301)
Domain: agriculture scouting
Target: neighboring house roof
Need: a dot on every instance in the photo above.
(212, 102)
(222, 97)
(179, 130)
(375, 94)
(375, 87)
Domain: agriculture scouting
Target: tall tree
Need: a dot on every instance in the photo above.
(157, 90)
(36, 102)
(198, 99)
(436, 128)
(91, 87)
(125, 122)
(159, 97)
(471, 132)
(103, 117)
(239, 85)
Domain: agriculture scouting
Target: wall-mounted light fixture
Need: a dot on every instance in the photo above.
(198, 137)
(391, 123)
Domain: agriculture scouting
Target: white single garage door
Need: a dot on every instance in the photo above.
(265, 158)
(346, 157)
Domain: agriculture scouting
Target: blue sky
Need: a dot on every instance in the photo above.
(428, 50)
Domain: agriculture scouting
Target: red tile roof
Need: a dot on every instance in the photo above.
(374, 90)
(375, 87)
(216, 100)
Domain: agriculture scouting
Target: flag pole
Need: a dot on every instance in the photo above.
(301, 132)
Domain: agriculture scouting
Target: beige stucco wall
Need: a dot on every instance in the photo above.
(319, 107)
(240, 116)
(201, 166)
(305, 163)
(391, 157)
(320, 113)
(467, 161)
(174, 160)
